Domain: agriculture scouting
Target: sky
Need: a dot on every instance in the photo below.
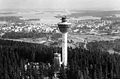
(61, 4)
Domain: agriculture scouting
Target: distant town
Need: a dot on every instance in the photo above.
(99, 25)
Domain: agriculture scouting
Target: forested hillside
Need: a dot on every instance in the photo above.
(104, 45)
(82, 64)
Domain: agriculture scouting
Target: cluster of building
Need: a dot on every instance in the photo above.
(27, 27)
(87, 26)
(96, 26)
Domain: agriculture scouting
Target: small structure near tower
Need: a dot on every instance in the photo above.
(57, 61)
(63, 27)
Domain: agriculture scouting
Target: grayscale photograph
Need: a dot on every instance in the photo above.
(59, 39)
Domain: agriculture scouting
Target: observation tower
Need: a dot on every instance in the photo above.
(64, 27)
